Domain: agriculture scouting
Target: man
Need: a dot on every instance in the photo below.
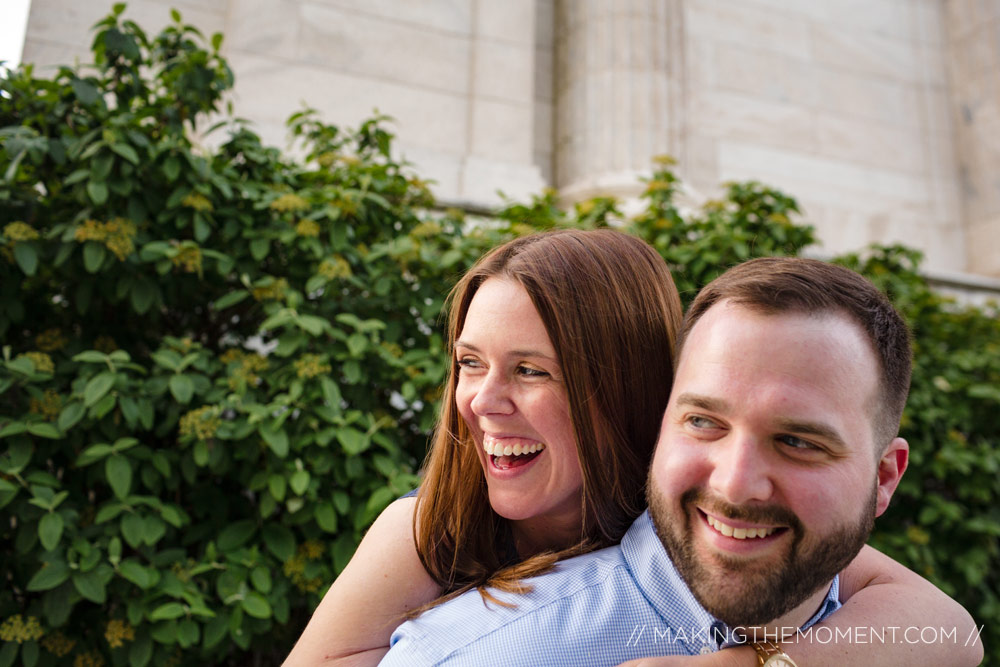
(777, 450)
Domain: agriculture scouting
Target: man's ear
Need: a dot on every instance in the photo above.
(891, 467)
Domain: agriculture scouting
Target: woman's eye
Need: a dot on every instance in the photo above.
(531, 372)
(467, 363)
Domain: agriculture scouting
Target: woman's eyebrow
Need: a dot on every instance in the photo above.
(513, 353)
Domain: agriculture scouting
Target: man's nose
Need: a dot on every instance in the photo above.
(742, 472)
(492, 396)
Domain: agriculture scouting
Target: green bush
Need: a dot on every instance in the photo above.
(164, 482)
(219, 364)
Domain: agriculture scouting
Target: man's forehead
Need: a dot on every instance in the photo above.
(804, 356)
(818, 324)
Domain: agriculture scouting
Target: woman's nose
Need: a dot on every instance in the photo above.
(492, 396)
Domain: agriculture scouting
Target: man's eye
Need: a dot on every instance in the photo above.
(700, 422)
(797, 443)
(531, 372)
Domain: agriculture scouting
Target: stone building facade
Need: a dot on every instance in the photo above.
(881, 116)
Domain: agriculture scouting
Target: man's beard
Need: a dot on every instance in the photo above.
(744, 593)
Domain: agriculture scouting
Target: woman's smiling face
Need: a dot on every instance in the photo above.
(512, 396)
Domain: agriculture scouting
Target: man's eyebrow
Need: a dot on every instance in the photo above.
(513, 353)
(817, 429)
(701, 401)
(800, 427)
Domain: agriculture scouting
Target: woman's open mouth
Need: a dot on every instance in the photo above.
(505, 455)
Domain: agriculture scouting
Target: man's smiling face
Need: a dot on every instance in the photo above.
(766, 481)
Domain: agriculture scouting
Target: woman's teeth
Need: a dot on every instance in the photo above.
(493, 447)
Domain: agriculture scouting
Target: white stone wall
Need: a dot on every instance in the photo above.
(843, 104)
(973, 58)
(880, 116)
(458, 76)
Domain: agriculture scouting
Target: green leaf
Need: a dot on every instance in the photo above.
(119, 474)
(172, 516)
(279, 540)
(93, 256)
(58, 602)
(256, 605)
(299, 482)
(260, 577)
(143, 295)
(85, 91)
(215, 630)
(97, 387)
(91, 357)
(236, 535)
(133, 529)
(44, 430)
(988, 392)
(71, 415)
(126, 152)
(136, 573)
(326, 517)
(123, 444)
(230, 299)
(141, 651)
(216, 41)
(357, 344)
(259, 248)
(103, 406)
(312, 324)
(352, 440)
(378, 501)
(26, 256)
(49, 576)
(29, 653)
(50, 529)
(331, 392)
(343, 549)
(167, 612)
(171, 168)
(181, 387)
(277, 440)
(90, 586)
(98, 192)
(8, 653)
(200, 453)
(13, 428)
(114, 549)
(93, 453)
(153, 529)
(109, 512)
(100, 166)
(201, 228)
(167, 359)
(278, 485)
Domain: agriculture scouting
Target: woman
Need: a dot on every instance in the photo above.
(562, 346)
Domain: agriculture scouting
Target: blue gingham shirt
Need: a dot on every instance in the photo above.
(602, 608)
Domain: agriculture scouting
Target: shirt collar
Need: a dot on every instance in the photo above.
(668, 593)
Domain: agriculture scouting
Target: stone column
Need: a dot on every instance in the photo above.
(618, 92)
(973, 44)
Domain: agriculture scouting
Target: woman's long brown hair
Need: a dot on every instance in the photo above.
(612, 312)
